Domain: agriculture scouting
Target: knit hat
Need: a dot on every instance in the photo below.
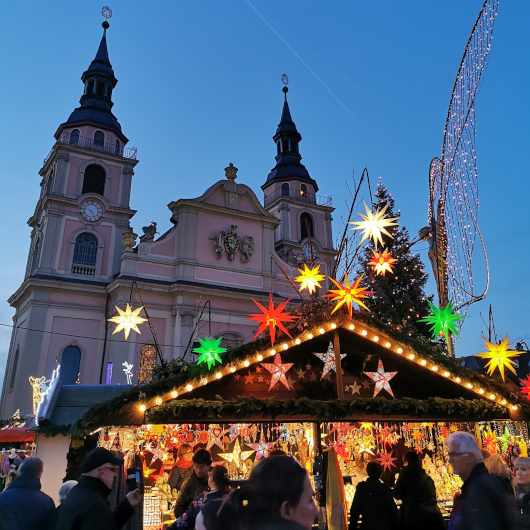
(97, 457)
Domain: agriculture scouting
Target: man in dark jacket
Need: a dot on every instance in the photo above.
(483, 504)
(196, 484)
(86, 507)
(23, 505)
(419, 509)
(373, 500)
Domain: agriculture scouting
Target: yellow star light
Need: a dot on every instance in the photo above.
(382, 262)
(374, 224)
(346, 294)
(309, 278)
(499, 356)
(237, 456)
(127, 320)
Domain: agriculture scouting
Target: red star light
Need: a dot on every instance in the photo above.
(386, 460)
(382, 262)
(346, 294)
(381, 379)
(526, 386)
(278, 371)
(272, 317)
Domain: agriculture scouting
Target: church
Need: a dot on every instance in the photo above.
(223, 249)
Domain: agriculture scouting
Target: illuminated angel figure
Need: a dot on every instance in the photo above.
(128, 372)
(453, 179)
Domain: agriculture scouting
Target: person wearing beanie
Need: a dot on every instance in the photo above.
(87, 507)
(23, 505)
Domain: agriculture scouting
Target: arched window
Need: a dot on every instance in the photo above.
(303, 190)
(147, 363)
(285, 189)
(117, 147)
(74, 137)
(99, 138)
(100, 88)
(94, 181)
(90, 87)
(14, 370)
(85, 250)
(70, 365)
(306, 226)
(294, 146)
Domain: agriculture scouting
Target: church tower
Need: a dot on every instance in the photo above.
(305, 233)
(76, 241)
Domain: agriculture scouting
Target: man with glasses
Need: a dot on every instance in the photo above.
(87, 507)
(483, 504)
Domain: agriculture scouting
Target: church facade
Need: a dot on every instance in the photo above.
(196, 279)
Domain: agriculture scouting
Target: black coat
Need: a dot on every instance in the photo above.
(24, 506)
(86, 508)
(178, 476)
(521, 509)
(190, 491)
(373, 500)
(419, 507)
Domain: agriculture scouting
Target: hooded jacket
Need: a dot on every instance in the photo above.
(373, 500)
(86, 508)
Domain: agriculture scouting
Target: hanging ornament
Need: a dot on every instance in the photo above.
(346, 294)
(499, 356)
(381, 379)
(209, 350)
(272, 317)
(490, 441)
(237, 456)
(262, 448)
(367, 426)
(216, 435)
(127, 320)
(526, 386)
(442, 320)
(309, 278)
(386, 460)
(328, 359)
(505, 439)
(382, 262)
(374, 225)
(278, 371)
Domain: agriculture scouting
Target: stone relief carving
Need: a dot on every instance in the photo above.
(149, 233)
(63, 156)
(143, 249)
(231, 243)
(290, 257)
(233, 190)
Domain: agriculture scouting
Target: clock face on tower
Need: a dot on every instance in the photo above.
(308, 251)
(91, 210)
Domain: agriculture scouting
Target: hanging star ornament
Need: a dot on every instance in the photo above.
(442, 320)
(127, 320)
(381, 379)
(278, 371)
(346, 294)
(262, 448)
(373, 225)
(490, 441)
(209, 350)
(386, 460)
(272, 317)
(237, 456)
(526, 386)
(382, 262)
(309, 278)
(328, 359)
(499, 356)
(505, 439)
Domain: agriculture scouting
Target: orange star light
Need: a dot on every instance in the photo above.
(499, 356)
(272, 317)
(127, 320)
(382, 262)
(346, 294)
(277, 371)
(309, 278)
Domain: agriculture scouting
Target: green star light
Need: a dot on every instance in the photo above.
(209, 351)
(442, 320)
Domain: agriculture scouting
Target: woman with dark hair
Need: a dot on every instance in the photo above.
(216, 515)
(183, 469)
(278, 496)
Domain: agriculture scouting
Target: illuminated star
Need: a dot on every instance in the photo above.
(328, 359)
(127, 320)
(418, 449)
(381, 379)
(262, 448)
(216, 437)
(490, 441)
(526, 386)
(272, 317)
(505, 439)
(386, 460)
(367, 426)
(499, 356)
(346, 294)
(309, 278)
(355, 388)
(277, 371)
(374, 224)
(442, 320)
(209, 351)
(382, 262)
(237, 456)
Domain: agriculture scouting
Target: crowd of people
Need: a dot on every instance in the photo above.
(278, 495)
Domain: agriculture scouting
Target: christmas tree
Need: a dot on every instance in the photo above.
(399, 299)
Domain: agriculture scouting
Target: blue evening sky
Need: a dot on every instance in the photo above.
(199, 86)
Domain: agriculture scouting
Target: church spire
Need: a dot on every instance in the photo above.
(287, 138)
(99, 81)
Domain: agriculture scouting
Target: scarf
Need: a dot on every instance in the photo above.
(184, 464)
